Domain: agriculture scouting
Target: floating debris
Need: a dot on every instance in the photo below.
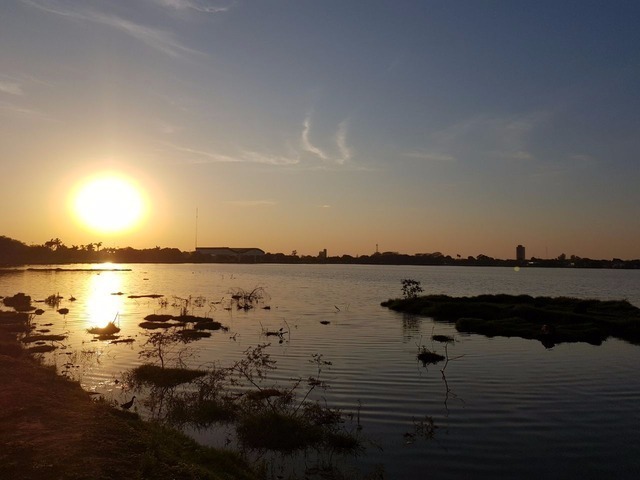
(152, 295)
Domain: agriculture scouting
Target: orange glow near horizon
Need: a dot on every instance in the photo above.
(108, 203)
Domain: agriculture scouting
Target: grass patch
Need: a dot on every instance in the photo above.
(277, 431)
(164, 377)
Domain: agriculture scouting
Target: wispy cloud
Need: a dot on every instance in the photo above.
(431, 156)
(583, 160)
(516, 155)
(251, 203)
(191, 155)
(306, 142)
(341, 141)
(160, 40)
(256, 157)
(27, 113)
(344, 152)
(203, 6)
(475, 138)
(10, 86)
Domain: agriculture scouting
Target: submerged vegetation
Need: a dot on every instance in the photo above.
(264, 415)
(548, 319)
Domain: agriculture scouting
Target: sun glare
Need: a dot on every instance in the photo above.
(109, 204)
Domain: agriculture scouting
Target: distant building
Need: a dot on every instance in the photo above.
(228, 252)
(520, 255)
(322, 254)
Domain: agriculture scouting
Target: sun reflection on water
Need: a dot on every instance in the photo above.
(105, 299)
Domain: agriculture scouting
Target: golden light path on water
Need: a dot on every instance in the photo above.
(104, 302)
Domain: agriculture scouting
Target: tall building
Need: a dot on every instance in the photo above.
(520, 256)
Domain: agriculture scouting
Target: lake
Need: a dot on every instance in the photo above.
(505, 406)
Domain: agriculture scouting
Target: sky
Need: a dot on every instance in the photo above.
(461, 127)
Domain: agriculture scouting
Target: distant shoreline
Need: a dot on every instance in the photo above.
(14, 253)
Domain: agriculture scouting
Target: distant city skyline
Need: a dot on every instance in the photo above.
(462, 127)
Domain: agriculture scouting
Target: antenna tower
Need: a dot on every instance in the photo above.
(196, 227)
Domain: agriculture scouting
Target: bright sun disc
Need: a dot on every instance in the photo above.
(109, 204)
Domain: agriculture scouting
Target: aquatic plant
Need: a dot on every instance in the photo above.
(411, 288)
(19, 302)
(426, 356)
(110, 329)
(163, 377)
(53, 300)
(265, 416)
(248, 299)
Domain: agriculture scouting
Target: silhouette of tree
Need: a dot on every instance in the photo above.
(54, 244)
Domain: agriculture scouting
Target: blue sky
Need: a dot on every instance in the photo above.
(464, 127)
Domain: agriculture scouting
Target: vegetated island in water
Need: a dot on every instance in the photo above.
(550, 320)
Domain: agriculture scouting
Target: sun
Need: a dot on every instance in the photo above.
(109, 203)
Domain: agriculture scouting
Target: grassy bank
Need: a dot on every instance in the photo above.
(51, 429)
(551, 320)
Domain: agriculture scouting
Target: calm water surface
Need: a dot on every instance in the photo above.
(509, 407)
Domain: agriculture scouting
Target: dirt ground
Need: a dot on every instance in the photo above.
(51, 429)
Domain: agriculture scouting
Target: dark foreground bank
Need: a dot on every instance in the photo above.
(51, 429)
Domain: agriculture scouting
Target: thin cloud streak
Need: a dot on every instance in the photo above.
(14, 110)
(251, 203)
(306, 143)
(256, 157)
(11, 87)
(341, 140)
(245, 156)
(431, 156)
(160, 40)
(204, 157)
(345, 153)
(202, 6)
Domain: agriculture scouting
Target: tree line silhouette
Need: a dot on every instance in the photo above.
(55, 252)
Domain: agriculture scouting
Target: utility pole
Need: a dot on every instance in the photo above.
(196, 227)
